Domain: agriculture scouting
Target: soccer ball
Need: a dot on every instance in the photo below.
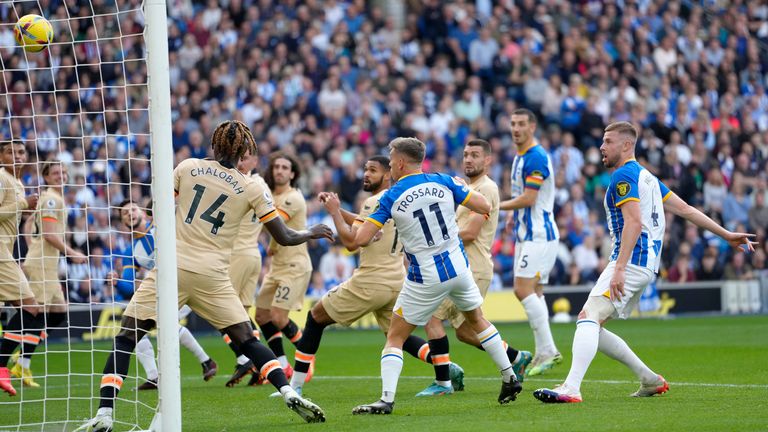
(33, 32)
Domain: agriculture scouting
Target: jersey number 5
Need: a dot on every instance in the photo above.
(218, 220)
(419, 214)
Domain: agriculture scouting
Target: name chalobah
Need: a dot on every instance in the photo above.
(222, 175)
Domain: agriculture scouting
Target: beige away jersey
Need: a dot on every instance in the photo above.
(211, 202)
(293, 209)
(479, 250)
(12, 200)
(381, 262)
(246, 242)
(50, 208)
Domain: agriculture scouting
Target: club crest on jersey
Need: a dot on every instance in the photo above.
(623, 188)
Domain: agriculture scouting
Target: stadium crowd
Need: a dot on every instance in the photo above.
(334, 81)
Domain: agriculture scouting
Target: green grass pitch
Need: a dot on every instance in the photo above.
(717, 369)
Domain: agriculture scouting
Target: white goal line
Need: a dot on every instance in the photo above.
(481, 378)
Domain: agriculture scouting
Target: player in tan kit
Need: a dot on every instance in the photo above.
(41, 265)
(477, 233)
(14, 289)
(212, 197)
(245, 267)
(374, 285)
(286, 283)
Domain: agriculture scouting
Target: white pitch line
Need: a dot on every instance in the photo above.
(425, 377)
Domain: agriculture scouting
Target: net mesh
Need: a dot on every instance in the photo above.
(84, 102)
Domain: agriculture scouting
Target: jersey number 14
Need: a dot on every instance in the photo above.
(216, 221)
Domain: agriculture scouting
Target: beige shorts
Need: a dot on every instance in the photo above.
(244, 270)
(284, 288)
(13, 283)
(45, 287)
(448, 310)
(351, 300)
(210, 297)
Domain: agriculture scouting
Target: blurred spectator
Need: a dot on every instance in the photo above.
(682, 271)
(710, 269)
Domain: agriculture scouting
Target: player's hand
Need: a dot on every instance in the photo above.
(617, 284)
(332, 203)
(77, 257)
(320, 231)
(112, 278)
(736, 240)
(32, 201)
(323, 196)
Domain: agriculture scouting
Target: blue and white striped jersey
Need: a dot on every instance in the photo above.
(533, 170)
(144, 247)
(632, 182)
(423, 208)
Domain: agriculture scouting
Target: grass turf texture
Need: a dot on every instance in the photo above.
(717, 370)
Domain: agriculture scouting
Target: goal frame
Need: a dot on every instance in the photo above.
(168, 415)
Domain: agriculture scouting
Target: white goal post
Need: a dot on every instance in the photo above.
(169, 403)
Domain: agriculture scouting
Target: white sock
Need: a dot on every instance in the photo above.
(391, 366)
(146, 355)
(585, 342)
(298, 378)
(24, 362)
(283, 361)
(538, 318)
(242, 359)
(614, 347)
(189, 342)
(494, 346)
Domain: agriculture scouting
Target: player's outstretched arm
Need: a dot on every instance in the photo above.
(678, 207)
(289, 237)
(527, 199)
(52, 238)
(348, 233)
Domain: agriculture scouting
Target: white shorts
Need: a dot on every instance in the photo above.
(636, 279)
(535, 259)
(417, 302)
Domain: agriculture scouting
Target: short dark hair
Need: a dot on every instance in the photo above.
(295, 168)
(623, 127)
(486, 146)
(526, 112)
(382, 160)
(410, 147)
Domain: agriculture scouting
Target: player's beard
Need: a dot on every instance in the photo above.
(372, 186)
(473, 172)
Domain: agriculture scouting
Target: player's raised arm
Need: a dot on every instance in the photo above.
(677, 206)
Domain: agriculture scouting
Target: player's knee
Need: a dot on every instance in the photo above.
(597, 308)
(262, 316)
(279, 317)
(474, 317)
(239, 333)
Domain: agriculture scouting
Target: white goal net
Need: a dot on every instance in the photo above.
(83, 103)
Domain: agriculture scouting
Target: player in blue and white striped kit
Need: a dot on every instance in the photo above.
(143, 254)
(423, 208)
(536, 235)
(634, 203)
